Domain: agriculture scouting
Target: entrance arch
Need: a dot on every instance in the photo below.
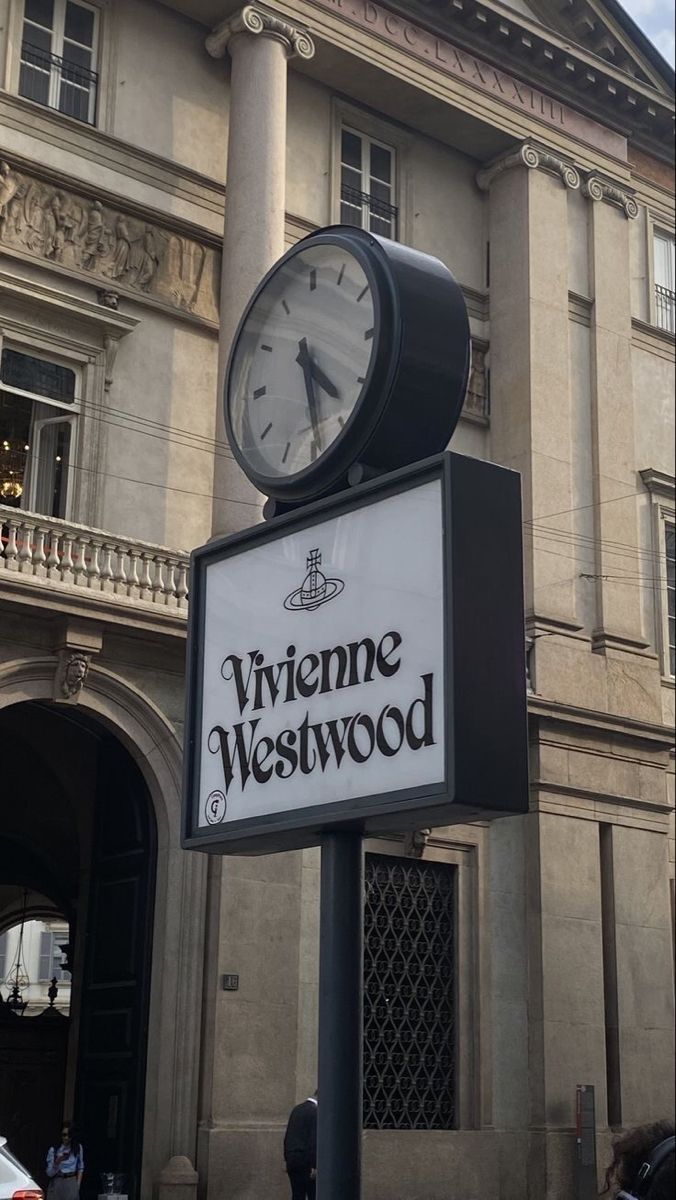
(137, 754)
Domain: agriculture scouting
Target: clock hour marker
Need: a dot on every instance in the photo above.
(341, 422)
(369, 334)
(361, 379)
(268, 348)
(259, 392)
(340, 274)
(286, 452)
(266, 431)
(362, 293)
(286, 308)
(313, 279)
(313, 452)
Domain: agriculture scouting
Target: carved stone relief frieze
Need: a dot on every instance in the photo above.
(124, 251)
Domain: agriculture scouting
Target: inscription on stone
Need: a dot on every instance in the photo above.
(451, 60)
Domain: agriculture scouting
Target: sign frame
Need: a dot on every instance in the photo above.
(295, 829)
(460, 795)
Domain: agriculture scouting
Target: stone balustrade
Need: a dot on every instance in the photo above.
(68, 556)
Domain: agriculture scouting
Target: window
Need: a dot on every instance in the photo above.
(53, 956)
(58, 52)
(3, 956)
(367, 184)
(409, 994)
(37, 398)
(665, 281)
(660, 486)
(669, 539)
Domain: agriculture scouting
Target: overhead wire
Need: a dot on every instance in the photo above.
(219, 449)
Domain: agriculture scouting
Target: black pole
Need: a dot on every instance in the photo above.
(339, 1116)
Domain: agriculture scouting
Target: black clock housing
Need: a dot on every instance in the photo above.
(415, 386)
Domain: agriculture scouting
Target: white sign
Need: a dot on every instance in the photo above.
(323, 665)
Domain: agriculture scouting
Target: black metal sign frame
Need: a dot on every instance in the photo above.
(484, 701)
(408, 808)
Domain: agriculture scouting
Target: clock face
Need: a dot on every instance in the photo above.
(302, 360)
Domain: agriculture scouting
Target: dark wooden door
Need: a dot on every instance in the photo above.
(114, 1015)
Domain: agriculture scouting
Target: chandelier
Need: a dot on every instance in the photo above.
(12, 469)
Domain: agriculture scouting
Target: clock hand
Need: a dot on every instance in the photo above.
(317, 373)
(303, 360)
(324, 381)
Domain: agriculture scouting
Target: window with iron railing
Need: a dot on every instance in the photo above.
(367, 184)
(58, 54)
(665, 281)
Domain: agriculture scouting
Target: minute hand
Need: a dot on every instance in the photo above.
(305, 363)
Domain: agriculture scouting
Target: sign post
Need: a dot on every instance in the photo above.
(339, 1116)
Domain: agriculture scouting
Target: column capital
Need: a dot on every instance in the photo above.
(535, 158)
(255, 19)
(597, 187)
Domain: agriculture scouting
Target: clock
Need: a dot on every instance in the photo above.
(353, 350)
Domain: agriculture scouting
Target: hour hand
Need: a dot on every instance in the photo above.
(306, 361)
(323, 380)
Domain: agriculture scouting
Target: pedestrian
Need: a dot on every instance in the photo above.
(643, 1163)
(65, 1166)
(300, 1149)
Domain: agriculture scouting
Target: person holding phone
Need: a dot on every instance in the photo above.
(65, 1166)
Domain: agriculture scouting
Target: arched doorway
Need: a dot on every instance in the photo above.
(78, 834)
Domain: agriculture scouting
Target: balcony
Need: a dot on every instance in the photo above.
(58, 83)
(366, 211)
(59, 562)
(665, 308)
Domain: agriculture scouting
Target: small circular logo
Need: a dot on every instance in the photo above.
(215, 807)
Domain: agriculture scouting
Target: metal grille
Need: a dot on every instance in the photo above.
(383, 216)
(409, 994)
(76, 86)
(665, 307)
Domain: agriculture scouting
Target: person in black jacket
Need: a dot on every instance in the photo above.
(300, 1149)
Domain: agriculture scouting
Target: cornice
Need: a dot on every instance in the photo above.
(255, 19)
(534, 158)
(658, 483)
(38, 295)
(580, 308)
(596, 720)
(653, 340)
(598, 187)
(538, 54)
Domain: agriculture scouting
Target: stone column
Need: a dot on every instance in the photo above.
(613, 438)
(537, 1058)
(531, 427)
(260, 45)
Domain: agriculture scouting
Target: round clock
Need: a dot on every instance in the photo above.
(352, 350)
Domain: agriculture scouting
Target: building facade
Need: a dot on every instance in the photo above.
(157, 158)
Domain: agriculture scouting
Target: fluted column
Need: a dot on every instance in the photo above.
(260, 45)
